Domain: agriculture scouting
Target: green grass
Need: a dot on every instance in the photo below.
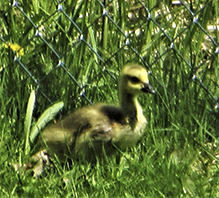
(177, 155)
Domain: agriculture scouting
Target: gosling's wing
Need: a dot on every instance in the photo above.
(104, 123)
(93, 124)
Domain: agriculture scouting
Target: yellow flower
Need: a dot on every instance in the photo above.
(15, 47)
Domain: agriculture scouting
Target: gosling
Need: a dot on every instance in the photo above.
(102, 128)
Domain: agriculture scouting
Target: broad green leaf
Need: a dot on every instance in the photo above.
(48, 115)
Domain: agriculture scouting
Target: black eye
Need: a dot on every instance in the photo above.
(134, 79)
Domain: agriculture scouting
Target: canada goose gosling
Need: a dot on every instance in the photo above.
(88, 129)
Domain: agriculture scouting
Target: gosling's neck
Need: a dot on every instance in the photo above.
(131, 109)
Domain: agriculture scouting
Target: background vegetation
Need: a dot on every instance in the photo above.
(72, 51)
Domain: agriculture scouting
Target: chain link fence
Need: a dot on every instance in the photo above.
(73, 50)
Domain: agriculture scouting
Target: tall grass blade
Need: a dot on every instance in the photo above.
(28, 119)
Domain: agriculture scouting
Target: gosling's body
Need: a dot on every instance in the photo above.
(90, 129)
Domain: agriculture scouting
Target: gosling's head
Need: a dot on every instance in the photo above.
(134, 80)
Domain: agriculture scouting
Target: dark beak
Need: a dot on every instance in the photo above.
(148, 88)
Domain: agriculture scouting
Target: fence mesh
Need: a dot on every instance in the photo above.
(74, 50)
